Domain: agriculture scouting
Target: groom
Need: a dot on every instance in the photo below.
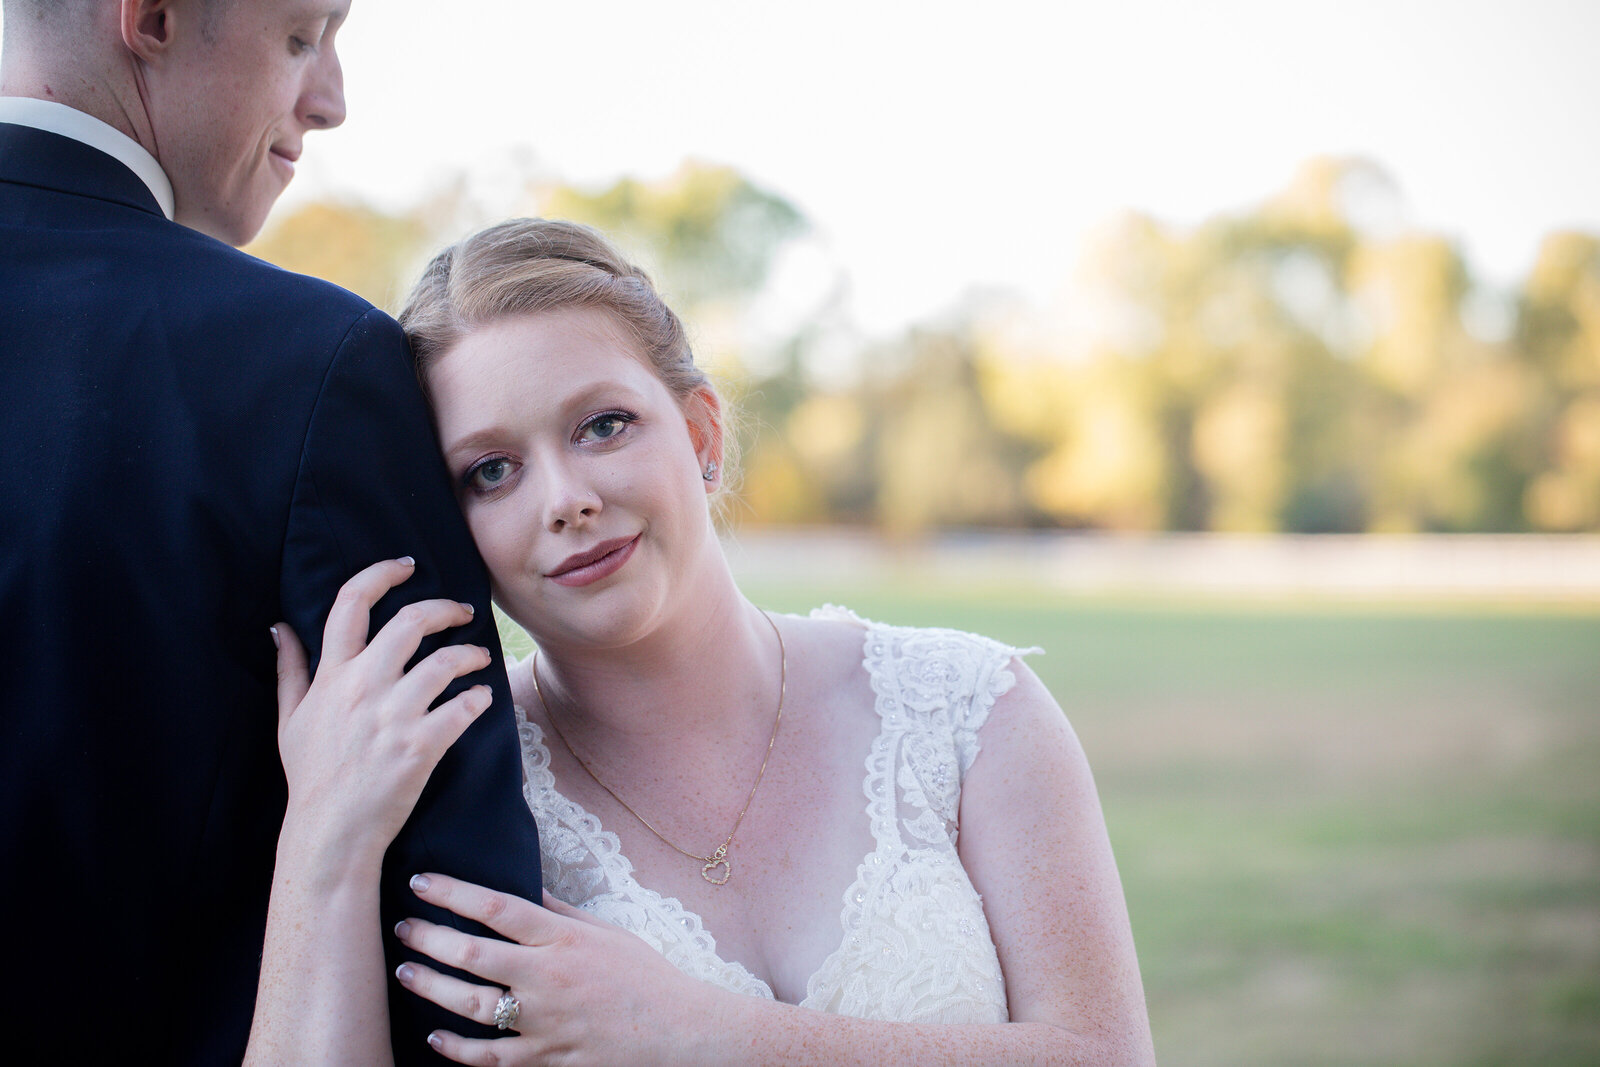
(193, 445)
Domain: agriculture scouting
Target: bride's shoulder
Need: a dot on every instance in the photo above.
(825, 651)
(837, 642)
(829, 638)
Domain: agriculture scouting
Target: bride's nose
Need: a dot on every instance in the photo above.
(569, 499)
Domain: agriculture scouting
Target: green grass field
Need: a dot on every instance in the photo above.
(1349, 834)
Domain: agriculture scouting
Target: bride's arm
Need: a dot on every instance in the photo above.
(1034, 843)
(357, 744)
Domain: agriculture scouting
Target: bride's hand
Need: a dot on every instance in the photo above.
(590, 992)
(359, 742)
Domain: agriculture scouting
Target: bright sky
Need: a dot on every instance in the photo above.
(940, 146)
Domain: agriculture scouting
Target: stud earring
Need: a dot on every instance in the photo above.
(711, 471)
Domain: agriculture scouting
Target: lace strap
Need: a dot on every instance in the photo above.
(994, 680)
(939, 681)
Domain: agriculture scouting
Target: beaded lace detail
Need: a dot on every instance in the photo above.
(915, 945)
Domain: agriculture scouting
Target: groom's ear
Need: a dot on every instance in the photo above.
(148, 26)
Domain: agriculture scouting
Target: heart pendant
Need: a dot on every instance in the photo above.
(709, 871)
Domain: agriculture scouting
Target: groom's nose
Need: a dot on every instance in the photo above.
(321, 105)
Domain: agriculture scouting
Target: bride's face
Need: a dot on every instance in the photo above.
(579, 473)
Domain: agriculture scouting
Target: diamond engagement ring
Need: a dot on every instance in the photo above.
(506, 1010)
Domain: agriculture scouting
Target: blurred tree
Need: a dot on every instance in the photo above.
(1106, 467)
(1307, 365)
(368, 252)
(938, 456)
(709, 231)
(1238, 379)
(1558, 331)
(1303, 367)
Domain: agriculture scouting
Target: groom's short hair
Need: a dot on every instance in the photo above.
(44, 12)
(42, 9)
(36, 11)
(56, 15)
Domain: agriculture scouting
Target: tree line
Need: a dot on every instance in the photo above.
(1307, 365)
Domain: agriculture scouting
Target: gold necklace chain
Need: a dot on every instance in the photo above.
(718, 862)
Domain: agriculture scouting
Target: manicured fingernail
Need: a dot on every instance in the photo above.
(404, 972)
(420, 883)
(277, 642)
(406, 561)
(470, 609)
(402, 929)
(436, 1041)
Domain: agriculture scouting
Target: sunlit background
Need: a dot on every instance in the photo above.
(1322, 268)
(1246, 356)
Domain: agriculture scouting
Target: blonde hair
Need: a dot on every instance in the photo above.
(531, 266)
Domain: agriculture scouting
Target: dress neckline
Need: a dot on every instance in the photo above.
(885, 838)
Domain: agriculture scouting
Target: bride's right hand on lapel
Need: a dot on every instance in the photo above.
(358, 741)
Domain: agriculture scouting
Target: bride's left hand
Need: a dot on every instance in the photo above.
(589, 991)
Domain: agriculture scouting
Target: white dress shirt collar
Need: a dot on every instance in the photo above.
(60, 119)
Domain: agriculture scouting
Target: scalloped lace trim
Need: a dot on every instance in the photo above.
(915, 945)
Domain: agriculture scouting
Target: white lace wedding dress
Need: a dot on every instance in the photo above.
(914, 943)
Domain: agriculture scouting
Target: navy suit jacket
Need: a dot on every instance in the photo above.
(194, 445)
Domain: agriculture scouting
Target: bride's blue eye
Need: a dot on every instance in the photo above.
(489, 474)
(605, 427)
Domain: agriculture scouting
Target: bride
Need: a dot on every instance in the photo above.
(766, 838)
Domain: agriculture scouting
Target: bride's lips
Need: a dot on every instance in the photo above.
(603, 559)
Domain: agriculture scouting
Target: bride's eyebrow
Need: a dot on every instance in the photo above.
(472, 442)
(605, 391)
(587, 397)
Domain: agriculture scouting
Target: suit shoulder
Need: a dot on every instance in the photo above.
(239, 268)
